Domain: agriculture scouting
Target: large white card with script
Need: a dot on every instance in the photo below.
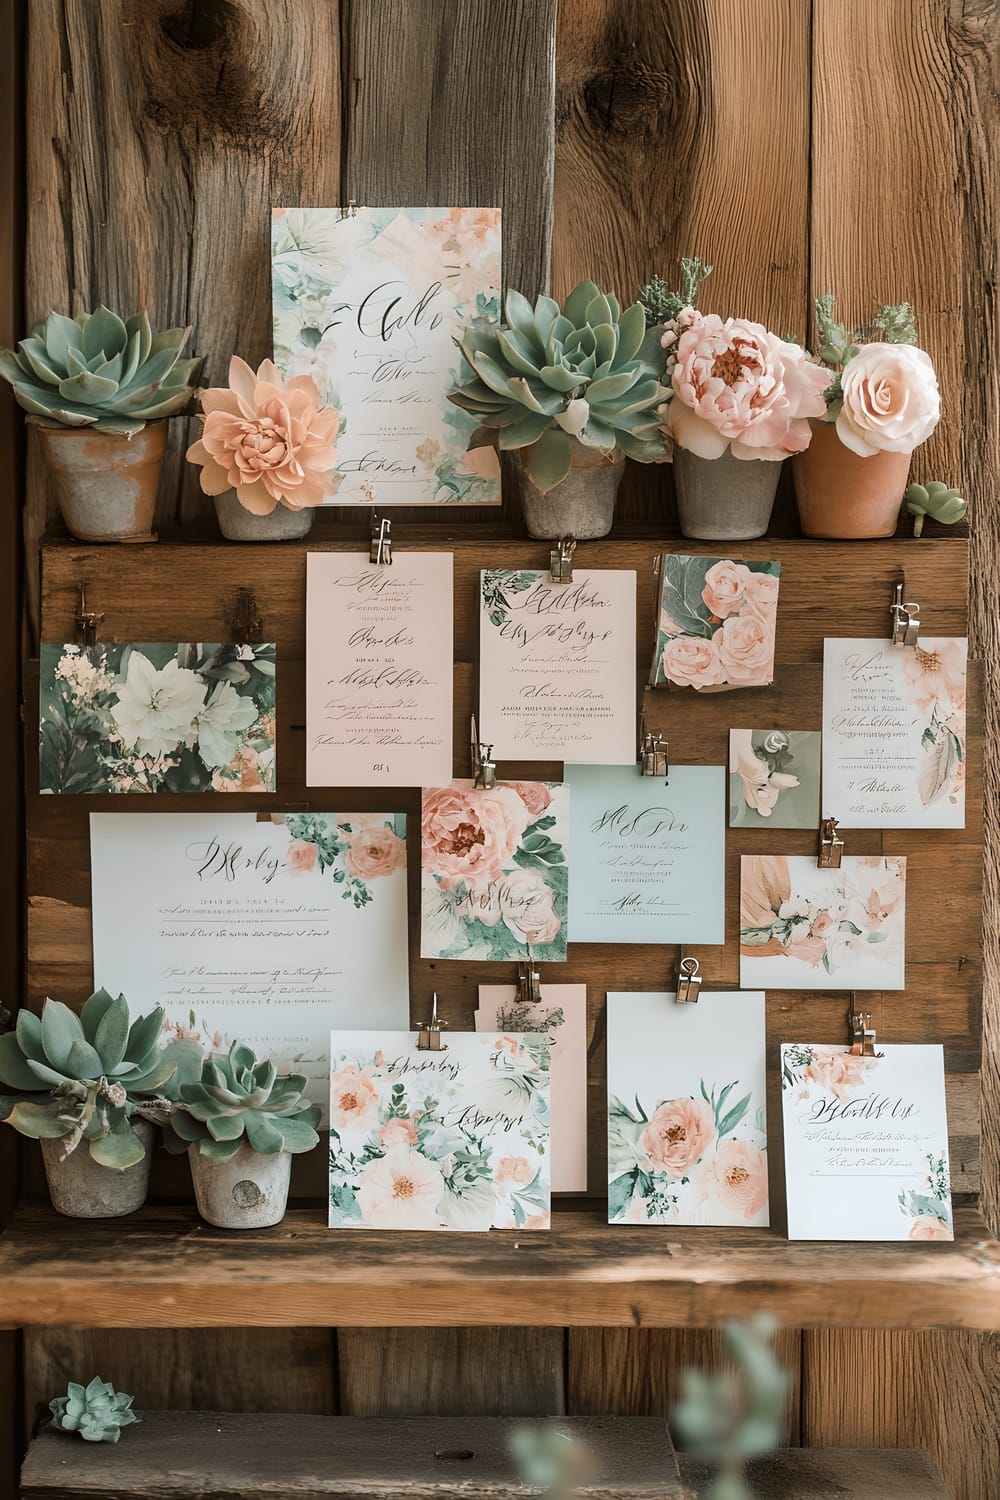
(265, 932)
(369, 304)
(379, 669)
(866, 1143)
(894, 733)
(557, 677)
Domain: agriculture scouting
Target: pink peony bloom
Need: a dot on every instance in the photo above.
(470, 834)
(353, 1099)
(726, 583)
(270, 440)
(516, 1169)
(692, 661)
(397, 1133)
(746, 650)
(737, 1179)
(840, 1073)
(400, 1191)
(534, 794)
(678, 1135)
(928, 1228)
(891, 400)
(374, 852)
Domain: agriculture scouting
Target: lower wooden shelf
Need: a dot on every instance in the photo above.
(164, 1268)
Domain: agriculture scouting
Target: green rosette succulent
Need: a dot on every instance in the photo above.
(238, 1097)
(548, 375)
(97, 1412)
(99, 1068)
(936, 500)
(97, 371)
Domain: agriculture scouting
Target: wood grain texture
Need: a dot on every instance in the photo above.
(452, 1372)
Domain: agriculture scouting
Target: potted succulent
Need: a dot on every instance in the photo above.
(240, 1125)
(571, 390)
(97, 1079)
(881, 403)
(265, 451)
(738, 403)
(98, 391)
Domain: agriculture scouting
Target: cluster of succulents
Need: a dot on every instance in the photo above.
(97, 1411)
(239, 1098)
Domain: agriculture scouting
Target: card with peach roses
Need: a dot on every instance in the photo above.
(866, 1143)
(449, 1140)
(687, 1126)
(716, 624)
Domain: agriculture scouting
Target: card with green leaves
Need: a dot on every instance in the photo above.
(716, 623)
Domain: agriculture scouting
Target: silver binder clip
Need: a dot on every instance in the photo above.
(380, 550)
(863, 1037)
(688, 981)
(653, 752)
(87, 620)
(429, 1036)
(484, 767)
(529, 984)
(831, 845)
(351, 211)
(905, 619)
(561, 560)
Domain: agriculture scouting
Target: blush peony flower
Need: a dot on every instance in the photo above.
(397, 1133)
(270, 440)
(891, 400)
(471, 834)
(840, 1073)
(678, 1135)
(692, 661)
(527, 909)
(928, 1228)
(516, 1169)
(737, 386)
(737, 1180)
(156, 706)
(400, 1191)
(374, 852)
(301, 857)
(746, 650)
(353, 1099)
(534, 794)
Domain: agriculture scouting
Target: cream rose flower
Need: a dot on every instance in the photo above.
(301, 857)
(746, 650)
(515, 1169)
(692, 661)
(374, 852)
(527, 907)
(397, 1132)
(891, 400)
(400, 1191)
(736, 1179)
(678, 1135)
(353, 1099)
(725, 585)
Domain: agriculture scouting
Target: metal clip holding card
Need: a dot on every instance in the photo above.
(243, 618)
(863, 1037)
(831, 845)
(87, 620)
(380, 550)
(654, 752)
(688, 981)
(529, 984)
(484, 767)
(561, 560)
(351, 211)
(905, 619)
(429, 1036)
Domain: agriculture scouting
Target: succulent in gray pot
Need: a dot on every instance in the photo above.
(241, 1123)
(98, 389)
(573, 391)
(90, 1088)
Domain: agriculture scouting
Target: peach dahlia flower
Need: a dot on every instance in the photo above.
(270, 440)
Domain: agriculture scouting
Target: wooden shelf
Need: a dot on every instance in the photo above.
(165, 1268)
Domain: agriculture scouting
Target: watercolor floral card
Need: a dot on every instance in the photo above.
(716, 622)
(494, 871)
(157, 717)
(449, 1140)
(803, 928)
(774, 778)
(687, 1130)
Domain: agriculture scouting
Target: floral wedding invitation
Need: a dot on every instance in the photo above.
(774, 778)
(866, 1143)
(493, 871)
(379, 669)
(157, 717)
(802, 928)
(457, 1139)
(894, 733)
(261, 931)
(649, 857)
(368, 303)
(716, 623)
(687, 1130)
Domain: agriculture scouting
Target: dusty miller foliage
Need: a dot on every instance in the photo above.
(661, 304)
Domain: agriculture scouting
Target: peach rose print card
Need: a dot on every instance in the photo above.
(260, 931)
(450, 1140)
(894, 733)
(493, 871)
(716, 623)
(557, 666)
(802, 928)
(866, 1143)
(687, 1129)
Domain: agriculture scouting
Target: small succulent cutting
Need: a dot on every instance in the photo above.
(238, 1097)
(549, 374)
(936, 500)
(97, 371)
(97, 1412)
(100, 1069)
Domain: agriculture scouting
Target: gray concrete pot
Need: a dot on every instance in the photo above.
(105, 483)
(81, 1188)
(240, 525)
(244, 1191)
(724, 499)
(582, 505)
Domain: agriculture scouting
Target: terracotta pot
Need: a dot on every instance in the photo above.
(844, 496)
(582, 505)
(724, 499)
(81, 1188)
(106, 484)
(247, 1190)
(240, 525)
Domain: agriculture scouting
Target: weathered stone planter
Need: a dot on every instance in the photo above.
(724, 499)
(105, 483)
(844, 496)
(240, 525)
(582, 505)
(247, 1190)
(81, 1188)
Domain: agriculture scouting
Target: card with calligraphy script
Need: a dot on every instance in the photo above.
(894, 733)
(368, 303)
(802, 928)
(494, 871)
(256, 931)
(716, 622)
(649, 857)
(687, 1126)
(557, 666)
(379, 670)
(866, 1143)
(449, 1140)
(774, 778)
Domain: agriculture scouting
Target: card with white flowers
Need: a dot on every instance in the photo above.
(687, 1125)
(866, 1143)
(716, 622)
(157, 717)
(450, 1140)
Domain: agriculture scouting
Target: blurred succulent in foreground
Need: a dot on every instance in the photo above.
(238, 1096)
(97, 1412)
(551, 1461)
(936, 500)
